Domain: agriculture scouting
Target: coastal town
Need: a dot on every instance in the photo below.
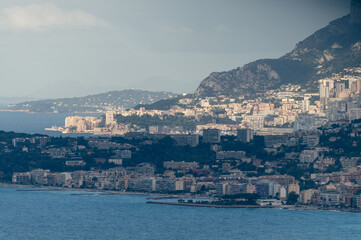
(282, 111)
(285, 147)
(180, 119)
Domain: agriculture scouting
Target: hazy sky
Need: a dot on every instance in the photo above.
(71, 48)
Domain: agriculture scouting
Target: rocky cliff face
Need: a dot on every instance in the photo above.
(329, 50)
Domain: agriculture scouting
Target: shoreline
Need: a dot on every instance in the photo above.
(286, 207)
(31, 112)
(152, 197)
(102, 191)
(207, 205)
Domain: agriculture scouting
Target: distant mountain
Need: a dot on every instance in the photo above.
(93, 103)
(164, 84)
(4, 101)
(328, 51)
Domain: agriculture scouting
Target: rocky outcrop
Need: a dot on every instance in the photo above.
(327, 51)
(239, 80)
(254, 77)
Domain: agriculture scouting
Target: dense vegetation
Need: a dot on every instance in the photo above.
(26, 156)
(188, 123)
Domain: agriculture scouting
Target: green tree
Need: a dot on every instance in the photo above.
(292, 198)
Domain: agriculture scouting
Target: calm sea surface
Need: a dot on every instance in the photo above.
(35, 123)
(60, 215)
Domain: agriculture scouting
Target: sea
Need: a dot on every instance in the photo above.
(67, 215)
(54, 214)
(31, 123)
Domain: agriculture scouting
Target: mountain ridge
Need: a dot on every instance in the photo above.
(93, 103)
(328, 51)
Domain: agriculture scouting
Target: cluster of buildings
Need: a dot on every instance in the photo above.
(229, 173)
(338, 189)
(142, 178)
(280, 111)
(81, 124)
(283, 141)
(40, 140)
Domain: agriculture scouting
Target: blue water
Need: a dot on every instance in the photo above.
(60, 215)
(34, 123)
